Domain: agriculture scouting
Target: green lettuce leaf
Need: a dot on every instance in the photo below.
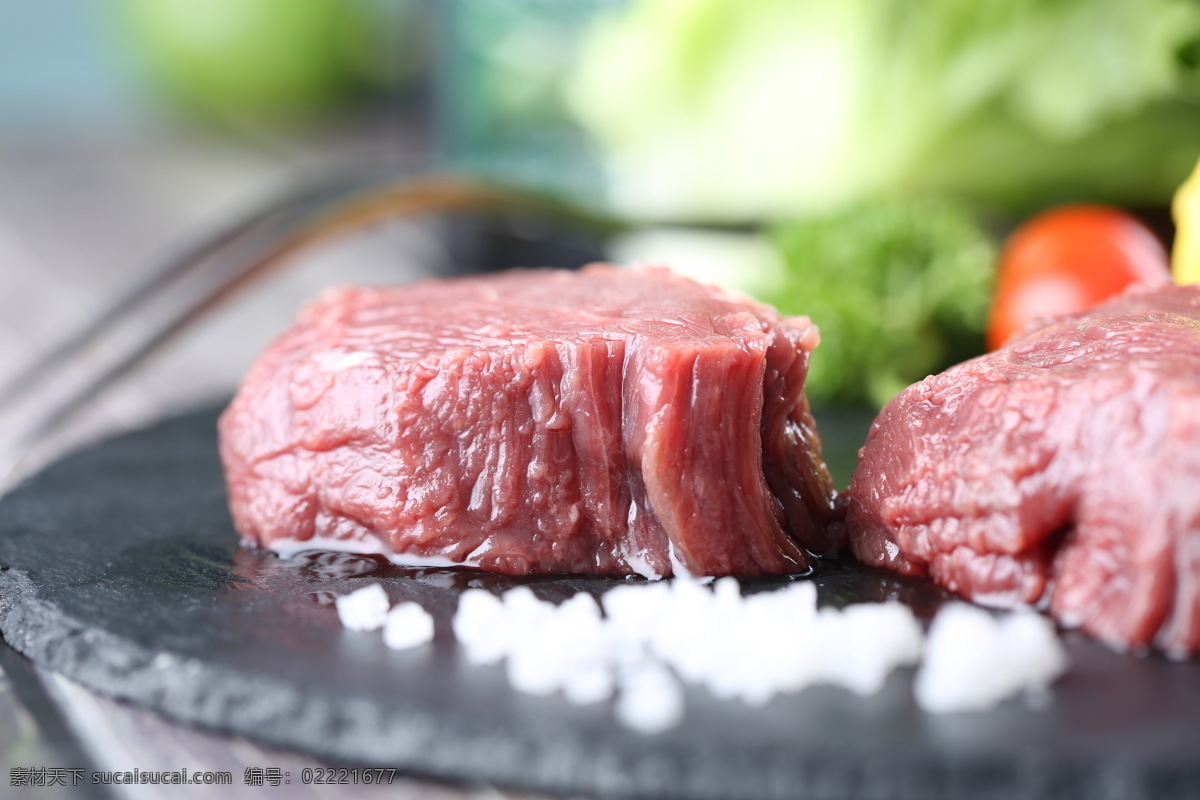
(731, 109)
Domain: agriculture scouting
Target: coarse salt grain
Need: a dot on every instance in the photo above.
(863, 643)
(651, 699)
(974, 659)
(408, 625)
(480, 621)
(592, 683)
(363, 609)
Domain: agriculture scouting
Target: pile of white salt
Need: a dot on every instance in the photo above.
(643, 642)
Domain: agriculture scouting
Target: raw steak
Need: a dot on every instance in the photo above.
(601, 421)
(1062, 469)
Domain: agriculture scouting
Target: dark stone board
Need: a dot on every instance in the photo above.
(120, 569)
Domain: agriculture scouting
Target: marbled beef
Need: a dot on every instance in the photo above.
(1063, 468)
(601, 421)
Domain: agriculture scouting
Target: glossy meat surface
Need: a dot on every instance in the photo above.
(1063, 469)
(600, 421)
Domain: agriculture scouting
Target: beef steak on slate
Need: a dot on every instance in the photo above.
(601, 421)
(1063, 468)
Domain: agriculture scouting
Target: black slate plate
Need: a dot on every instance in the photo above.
(120, 569)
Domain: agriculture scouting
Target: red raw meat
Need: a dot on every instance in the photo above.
(600, 421)
(1063, 468)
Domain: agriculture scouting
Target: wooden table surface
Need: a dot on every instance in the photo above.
(75, 226)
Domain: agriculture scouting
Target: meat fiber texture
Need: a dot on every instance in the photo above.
(600, 421)
(1062, 469)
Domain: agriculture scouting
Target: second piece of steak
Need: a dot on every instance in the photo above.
(1062, 468)
(603, 421)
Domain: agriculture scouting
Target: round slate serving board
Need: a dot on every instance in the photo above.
(119, 568)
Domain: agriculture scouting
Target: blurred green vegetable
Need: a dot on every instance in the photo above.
(260, 59)
(899, 289)
(726, 109)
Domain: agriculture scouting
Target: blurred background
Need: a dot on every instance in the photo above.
(859, 161)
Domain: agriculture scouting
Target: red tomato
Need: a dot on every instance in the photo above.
(1071, 259)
